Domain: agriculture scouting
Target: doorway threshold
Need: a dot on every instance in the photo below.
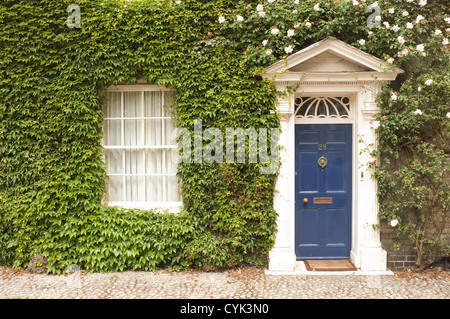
(302, 270)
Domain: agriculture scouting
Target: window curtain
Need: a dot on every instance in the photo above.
(140, 156)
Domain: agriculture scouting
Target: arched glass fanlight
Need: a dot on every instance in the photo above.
(322, 107)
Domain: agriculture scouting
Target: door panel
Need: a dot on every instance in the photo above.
(323, 224)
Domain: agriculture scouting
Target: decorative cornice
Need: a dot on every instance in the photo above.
(370, 114)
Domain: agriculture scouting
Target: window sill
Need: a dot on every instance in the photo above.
(160, 207)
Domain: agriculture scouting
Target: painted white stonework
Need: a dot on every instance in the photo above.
(330, 68)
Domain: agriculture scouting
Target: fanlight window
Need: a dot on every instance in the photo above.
(322, 107)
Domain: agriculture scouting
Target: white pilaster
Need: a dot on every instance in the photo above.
(370, 254)
(282, 256)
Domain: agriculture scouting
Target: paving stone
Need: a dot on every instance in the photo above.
(245, 283)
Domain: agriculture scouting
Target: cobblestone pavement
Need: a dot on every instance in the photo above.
(240, 283)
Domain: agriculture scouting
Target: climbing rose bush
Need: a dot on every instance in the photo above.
(413, 127)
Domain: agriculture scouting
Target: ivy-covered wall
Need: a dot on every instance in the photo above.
(52, 84)
(52, 172)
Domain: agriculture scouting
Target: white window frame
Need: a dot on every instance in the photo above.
(164, 206)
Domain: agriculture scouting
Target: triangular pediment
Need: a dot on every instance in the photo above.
(328, 61)
(331, 57)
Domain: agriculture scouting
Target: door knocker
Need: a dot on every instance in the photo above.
(322, 161)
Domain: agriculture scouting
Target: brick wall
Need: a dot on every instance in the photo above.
(397, 260)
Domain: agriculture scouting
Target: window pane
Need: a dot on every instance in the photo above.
(154, 161)
(133, 132)
(168, 130)
(154, 188)
(153, 132)
(135, 188)
(132, 104)
(113, 132)
(114, 161)
(172, 189)
(171, 161)
(114, 107)
(134, 162)
(153, 104)
(115, 189)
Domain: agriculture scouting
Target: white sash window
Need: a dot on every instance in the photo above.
(140, 156)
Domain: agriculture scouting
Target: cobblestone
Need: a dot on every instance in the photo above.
(240, 283)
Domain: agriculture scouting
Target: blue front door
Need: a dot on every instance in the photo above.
(323, 191)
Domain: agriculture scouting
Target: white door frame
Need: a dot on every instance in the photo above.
(330, 67)
(366, 252)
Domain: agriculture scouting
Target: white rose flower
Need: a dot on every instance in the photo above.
(275, 31)
(419, 18)
(269, 51)
(378, 18)
(270, 1)
(265, 42)
(403, 52)
(448, 115)
(409, 25)
(422, 3)
(376, 124)
(262, 14)
(390, 60)
(437, 32)
(260, 7)
(391, 10)
(418, 112)
(221, 19)
(447, 20)
(395, 28)
(239, 18)
(420, 47)
(290, 33)
(308, 24)
(316, 7)
(428, 82)
(400, 39)
(288, 49)
(405, 13)
(394, 96)
(445, 41)
(362, 41)
(393, 223)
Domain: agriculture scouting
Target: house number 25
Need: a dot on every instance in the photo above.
(321, 147)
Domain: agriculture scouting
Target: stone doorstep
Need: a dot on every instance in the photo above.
(300, 269)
